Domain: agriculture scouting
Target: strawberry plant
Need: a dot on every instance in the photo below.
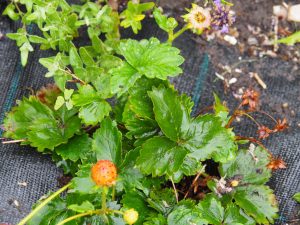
(136, 153)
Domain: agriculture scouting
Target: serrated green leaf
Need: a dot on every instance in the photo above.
(156, 220)
(211, 210)
(39, 125)
(221, 110)
(236, 216)
(84, 207)
(76, 148)
(107, 142)
(209, 139)
(83, 182)
(186, 213)
(170, 114)
(133, 15)
(250, 170)
(257, 201)
(162, 200)
(160, 156)
(165, 23)
(151, 58)
(10, 12)
(123, 78)
(94, 112)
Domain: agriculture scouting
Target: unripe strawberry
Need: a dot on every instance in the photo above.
(104, 173)
(130, 216)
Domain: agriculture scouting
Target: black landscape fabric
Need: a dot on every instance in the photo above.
(26, 175)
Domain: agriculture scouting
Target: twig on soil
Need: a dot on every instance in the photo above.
(259, 80)
(194, 181)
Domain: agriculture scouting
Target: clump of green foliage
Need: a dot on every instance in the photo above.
(148, 132)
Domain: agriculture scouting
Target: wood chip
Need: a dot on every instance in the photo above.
(259, 80)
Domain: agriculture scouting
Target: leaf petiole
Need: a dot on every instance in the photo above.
(40, 206)
(172, 36)
(89, 213)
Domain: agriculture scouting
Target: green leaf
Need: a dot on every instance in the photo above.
(236, 216)
(76, 148)
(160, 156)
(209, 139)
(123, 78)
(37, 39)
(185, 213)
(156, 220)
(162, 200)
(86, 57)
(132, 16)
(290, 40)
(170, 113)
(151, 58)
(247, 168)
(221, 110)
(25, 49)
(84, 207)
(92, 108)
(94, 112)
(257, 201)
(107, 142)
(165, 23)
(211, 210)
(83, 182)
(39, 125)
(296, 197)
(74, 57)
(60, 101)
(10, 12)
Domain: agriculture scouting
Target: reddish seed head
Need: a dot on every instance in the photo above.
(264, 132)
(281, 125)
(251, 98)
(104, 173)
(276, 163)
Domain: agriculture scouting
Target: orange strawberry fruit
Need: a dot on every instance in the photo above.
(104, 173)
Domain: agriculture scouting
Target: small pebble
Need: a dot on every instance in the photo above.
(24, 184)
(252, 41)
(232, 80)
(230, 39)
(285, 105)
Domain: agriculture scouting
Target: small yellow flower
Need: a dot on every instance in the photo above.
(198, 18)
(234, 183)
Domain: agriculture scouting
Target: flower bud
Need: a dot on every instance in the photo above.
(130, 216)
(234, 183)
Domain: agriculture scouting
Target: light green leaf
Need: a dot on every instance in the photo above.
(37, 39)
(257, 201)
(221, 110)
(107, 142)
(249, 169)
(86, 57)
(165, 23)
(10, 12)
(160, 156)
(296, 197)
(75, 59)
(83, 182)
(76, 148)
(151, 58)
(60, 101)
(290, 40)
(133, 15)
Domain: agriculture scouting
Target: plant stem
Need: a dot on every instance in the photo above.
(113, 193)
(103, 199)
(172, 36)
(175, 190)
(40, 206)
(89, 213)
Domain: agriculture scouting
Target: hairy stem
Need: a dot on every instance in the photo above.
(89, 213)
(40, 206)
(172, 36)
(103, 199)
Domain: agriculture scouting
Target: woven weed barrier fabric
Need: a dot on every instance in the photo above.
(23, 164)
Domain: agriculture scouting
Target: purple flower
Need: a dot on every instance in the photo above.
(222, 18)
(218, 3)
